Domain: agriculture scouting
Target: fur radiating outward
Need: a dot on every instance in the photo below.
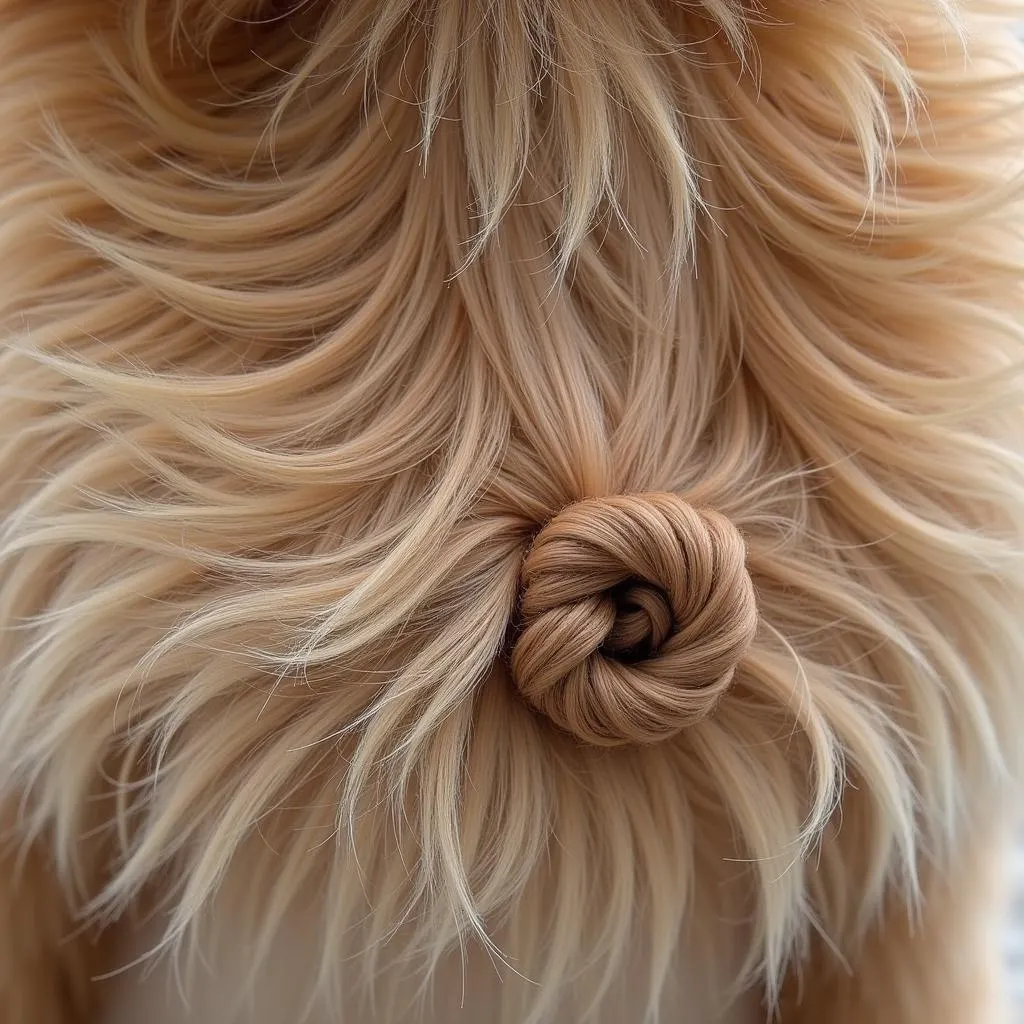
(532, 476)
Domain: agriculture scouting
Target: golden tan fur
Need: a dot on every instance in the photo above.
(352, 351)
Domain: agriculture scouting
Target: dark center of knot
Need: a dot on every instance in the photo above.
(643, 621)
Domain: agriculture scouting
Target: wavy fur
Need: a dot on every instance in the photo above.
(314, 314)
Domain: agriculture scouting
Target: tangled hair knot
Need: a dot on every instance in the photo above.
(636, 611)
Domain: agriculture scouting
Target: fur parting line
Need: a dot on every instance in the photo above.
(512, 510)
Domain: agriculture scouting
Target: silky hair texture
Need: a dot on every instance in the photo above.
(526, 476)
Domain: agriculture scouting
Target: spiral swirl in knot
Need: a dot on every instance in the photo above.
(636, 610)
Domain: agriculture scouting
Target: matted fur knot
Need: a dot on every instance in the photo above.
(636, 610)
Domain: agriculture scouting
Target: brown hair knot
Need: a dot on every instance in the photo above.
(636, 612)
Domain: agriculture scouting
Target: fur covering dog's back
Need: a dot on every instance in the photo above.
(355, 350)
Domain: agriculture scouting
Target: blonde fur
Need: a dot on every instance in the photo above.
(320, 318)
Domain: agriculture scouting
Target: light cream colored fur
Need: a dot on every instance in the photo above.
(530, 489)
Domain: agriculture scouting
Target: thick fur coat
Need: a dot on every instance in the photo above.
(523, 498)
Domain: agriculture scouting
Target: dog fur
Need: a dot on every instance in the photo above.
(521, 501)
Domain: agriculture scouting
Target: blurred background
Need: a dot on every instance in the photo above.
(1015, 938)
